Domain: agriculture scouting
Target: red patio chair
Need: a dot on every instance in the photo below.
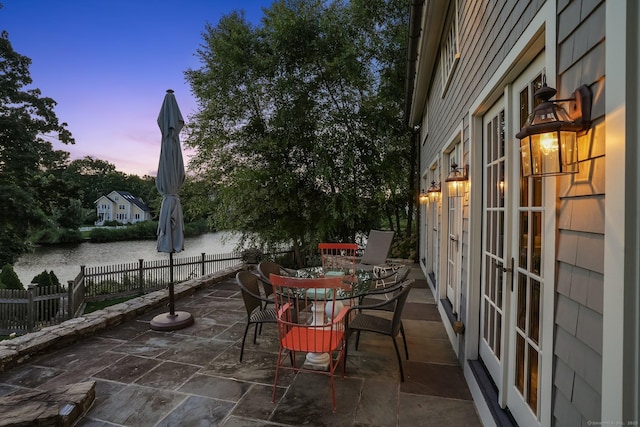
(338, 257)
(318, 330)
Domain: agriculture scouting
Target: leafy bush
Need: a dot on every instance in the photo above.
(47, 309)
(9, 279)
(46, 279)
(252, 256)
(404, 248)
(68, 235)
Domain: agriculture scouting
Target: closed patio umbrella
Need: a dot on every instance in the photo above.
(169, 181)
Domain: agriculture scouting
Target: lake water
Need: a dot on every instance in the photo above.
(65, 261)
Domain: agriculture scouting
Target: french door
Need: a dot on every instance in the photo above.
(454, 231)
(513, 274)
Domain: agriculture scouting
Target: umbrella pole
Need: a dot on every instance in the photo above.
(173, 320)
(172, 302)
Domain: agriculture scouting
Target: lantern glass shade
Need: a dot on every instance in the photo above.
(549, 153)
(433, 191)
(549, 138)
(456, 181)
(423, 198)
(455, 188)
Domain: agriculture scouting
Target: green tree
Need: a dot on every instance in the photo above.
(26, 118)
(300, 133)
(95, 178)
(9, 279)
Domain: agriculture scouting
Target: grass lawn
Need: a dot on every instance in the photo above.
(99, 305)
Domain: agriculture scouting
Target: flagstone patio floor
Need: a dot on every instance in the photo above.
(192, 377)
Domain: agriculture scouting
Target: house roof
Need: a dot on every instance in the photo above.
(131, 198)
(426, 22)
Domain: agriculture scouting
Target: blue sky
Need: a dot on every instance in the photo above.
(108, 64)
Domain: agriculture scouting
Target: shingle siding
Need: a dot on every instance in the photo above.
(581, 223)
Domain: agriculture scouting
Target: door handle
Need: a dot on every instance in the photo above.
(500, 266)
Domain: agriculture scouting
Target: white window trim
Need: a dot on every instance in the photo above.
(449, 62)
(620, 338)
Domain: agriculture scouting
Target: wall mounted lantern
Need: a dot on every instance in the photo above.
(434, 191)
(423, 197)
(549, 138)
(456, 181)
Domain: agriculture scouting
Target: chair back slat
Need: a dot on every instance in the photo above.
(400, 301)
(309, 316)
(338, 256)
(250, 288)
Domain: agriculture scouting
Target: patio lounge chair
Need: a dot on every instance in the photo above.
(376, 251)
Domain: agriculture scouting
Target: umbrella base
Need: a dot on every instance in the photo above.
(168, 322)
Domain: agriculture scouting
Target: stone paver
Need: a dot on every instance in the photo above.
(193, 377)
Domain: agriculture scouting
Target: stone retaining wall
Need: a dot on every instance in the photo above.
(22, 348)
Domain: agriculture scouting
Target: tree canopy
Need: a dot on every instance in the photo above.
(44, 196)
(26, 157)
(300, 132)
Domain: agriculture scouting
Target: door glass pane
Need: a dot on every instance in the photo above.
(498, 335)
(499, 288)
(536, 184)
(501, 133)
(535, 85)
(534, 311)
(532, 394)
(500, 188)
(485, 329)
(524, 191)
(500, 232)
(524, 107)
(522, 301)
(520, 363)
(524, 239)
(536, 253)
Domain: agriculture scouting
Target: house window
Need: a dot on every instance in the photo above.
(121, 207)
(450, 50)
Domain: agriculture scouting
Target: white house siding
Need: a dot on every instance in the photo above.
(581, 208)
(594, 374)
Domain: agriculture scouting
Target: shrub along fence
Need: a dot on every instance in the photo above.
(23, 311)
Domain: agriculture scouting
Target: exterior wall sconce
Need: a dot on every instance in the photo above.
(423, 197)
(434, 192)
(549, 138)
(456, 180)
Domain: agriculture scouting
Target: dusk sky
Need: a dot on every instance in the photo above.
(108, 64)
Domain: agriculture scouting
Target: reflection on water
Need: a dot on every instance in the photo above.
(65, 261)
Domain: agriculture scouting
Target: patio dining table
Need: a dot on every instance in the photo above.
(357, 283)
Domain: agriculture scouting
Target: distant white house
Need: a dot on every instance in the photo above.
(123, 207)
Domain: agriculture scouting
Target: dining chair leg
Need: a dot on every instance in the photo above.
(244, 337)
(255, 332)
(344, 357)
(404, 340)
(275, 381)
(395, 346)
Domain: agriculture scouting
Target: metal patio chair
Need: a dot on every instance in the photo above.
(362, 318)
